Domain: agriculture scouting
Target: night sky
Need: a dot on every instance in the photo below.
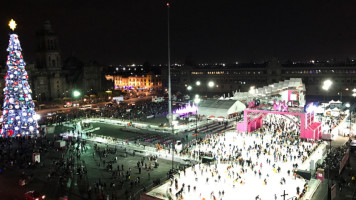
(135, 31)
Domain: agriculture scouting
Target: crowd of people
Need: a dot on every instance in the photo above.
(70, 164)
(125, 179)
(246, 164)
(333, 160)
(17, 152)
(331, 122)
(125, 111)
(137, 112)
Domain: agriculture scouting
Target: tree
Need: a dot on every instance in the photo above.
(19, 116)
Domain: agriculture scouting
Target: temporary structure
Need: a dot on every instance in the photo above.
(220, 108)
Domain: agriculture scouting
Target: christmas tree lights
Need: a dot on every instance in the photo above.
(19, 117)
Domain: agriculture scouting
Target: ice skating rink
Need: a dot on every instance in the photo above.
(239, 181)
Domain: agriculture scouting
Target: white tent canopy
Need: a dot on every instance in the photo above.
(220, 108)
(320, 109)
(335, 112)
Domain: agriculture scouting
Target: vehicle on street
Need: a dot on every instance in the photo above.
(70, 104)
(34, 195)
(157, 99)
(66, 106)
(109, 105)
(86, 107)
(118, 99)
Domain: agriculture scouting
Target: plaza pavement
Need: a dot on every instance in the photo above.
(77, 189)
(11, 190)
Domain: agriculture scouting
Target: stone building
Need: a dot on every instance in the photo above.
(47, 78)
(146, 82)
(52, 78)
(240, 77)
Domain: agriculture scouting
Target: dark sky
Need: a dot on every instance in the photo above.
(134, 31)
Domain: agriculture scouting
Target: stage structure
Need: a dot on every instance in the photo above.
(285, 99)
(291, 91)
(187, 109)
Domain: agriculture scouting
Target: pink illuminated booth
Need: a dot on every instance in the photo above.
(309, 129)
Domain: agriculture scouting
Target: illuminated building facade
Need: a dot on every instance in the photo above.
(148, 81)
(240, 77)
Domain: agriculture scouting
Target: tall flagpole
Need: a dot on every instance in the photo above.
(169, 85)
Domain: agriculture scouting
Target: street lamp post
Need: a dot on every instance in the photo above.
(354, 95)
(350, 111)
(169, 84)
(340, 93)
(348, 106)
(326, 86)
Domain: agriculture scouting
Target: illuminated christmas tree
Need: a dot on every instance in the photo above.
(19, 117)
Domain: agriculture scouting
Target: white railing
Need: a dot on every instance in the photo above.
(312, 187)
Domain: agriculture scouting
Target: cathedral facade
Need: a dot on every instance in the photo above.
(52, 77)
(47, 77)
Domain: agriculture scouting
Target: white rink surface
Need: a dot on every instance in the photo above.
(252, 185)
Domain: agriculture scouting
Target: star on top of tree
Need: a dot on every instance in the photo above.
(12, 24)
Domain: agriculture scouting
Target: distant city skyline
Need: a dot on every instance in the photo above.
(128, 32)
